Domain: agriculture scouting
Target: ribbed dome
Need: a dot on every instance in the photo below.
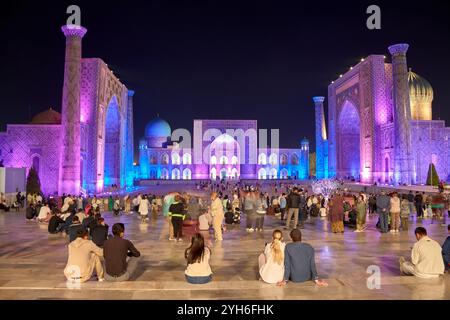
(158, 128)
(49, 116)
(421, 97)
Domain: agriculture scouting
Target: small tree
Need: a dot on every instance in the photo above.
(432, 177)
(33, 182)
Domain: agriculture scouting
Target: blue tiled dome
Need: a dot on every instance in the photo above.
(158, 128)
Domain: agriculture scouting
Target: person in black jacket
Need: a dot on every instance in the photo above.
(293, 203)
(55, 223)
(74, 228)
(99, 233)
(418, 202)
(30, 212)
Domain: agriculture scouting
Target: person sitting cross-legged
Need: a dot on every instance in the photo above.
(84, 259)
(74, 228)
(198, 270)
(299, 262)
(426, 257)
(116, 251)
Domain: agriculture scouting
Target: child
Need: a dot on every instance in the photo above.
(204, 221)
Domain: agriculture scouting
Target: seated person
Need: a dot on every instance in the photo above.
(446, 251)
(426, 257)
(88, 220)
(4, 206)
(115, 251)
(299, 262)
(44, 213)
(80, 214)
(30, 212)
(271, 262)
(198, 270)
(16, 206)
(84, 258)
(204, 221)
(55, 224)
(99, 232)
(73, 229)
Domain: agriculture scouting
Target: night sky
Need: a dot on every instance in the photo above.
(188, 60)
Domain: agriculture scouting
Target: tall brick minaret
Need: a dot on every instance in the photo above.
(69, 167)
(403, 161)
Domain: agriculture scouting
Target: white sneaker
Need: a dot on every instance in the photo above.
(101, 279)
(172, 239)
(180, 240)
(251, 230)
(392, 231)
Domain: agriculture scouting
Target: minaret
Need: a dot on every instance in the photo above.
(403, 164)
(69, 168)
(321, 139)
(304, 159)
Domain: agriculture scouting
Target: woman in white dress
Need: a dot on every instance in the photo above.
(271, 262)
(143, 208)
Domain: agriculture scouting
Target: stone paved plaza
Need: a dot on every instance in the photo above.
(32, 263)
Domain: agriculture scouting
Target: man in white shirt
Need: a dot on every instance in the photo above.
(426, 257)
(218, 215)
(44, 213)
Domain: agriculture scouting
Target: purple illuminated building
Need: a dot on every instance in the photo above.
(380, 126)
(90, 144)
(219, 149)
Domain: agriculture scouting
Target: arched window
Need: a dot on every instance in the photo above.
(187, 174)
(164, 174)
(273, 173)
(283, 160)
(283, 174)
(176, 174)
(213, 160)
(234, 160)
(165, 159)
(273, 159)
(294, 159)
(36, 162)
(262, 159)
(223, 160)
(213, 174)
(176, 159)
(262, 173)
(187, 159)
(153, 160)
(223, 173)
(234, 173)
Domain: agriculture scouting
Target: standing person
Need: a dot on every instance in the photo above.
(217, 215)
(250, 210)
(336, 213)
(418, 202)
(282, 202)
(395, 209)
(143, 208)
(84, 259)
(426, 257)
(405, 212)
(293, 203)
(271, 262)
(177, 214)
(110, 203)
(361, 212)
(167, 202)
(116, 251)
(383, 204)
(299, 261)
(198, 270)
(410, 199)
(261, 210)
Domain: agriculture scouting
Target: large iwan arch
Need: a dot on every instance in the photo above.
(348, 141)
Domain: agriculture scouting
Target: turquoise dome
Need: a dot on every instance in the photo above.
(158, 128)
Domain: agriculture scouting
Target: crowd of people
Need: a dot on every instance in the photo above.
(92, 250)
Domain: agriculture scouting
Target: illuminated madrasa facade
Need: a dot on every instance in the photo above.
(89, 145)
(219, 149)
(380, 126)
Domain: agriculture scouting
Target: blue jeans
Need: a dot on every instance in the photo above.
(198, 280)
(384, 222)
